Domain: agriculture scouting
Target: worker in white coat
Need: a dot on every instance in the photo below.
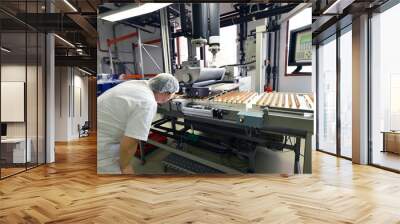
(124, 116)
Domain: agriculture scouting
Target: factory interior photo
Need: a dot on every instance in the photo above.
(199, 112)
(230, 77)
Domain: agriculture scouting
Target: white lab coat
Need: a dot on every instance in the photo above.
(125, 110)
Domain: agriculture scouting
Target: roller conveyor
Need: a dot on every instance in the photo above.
(295, 101)
(248, 119)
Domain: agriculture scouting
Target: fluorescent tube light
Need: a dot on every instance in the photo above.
(132, 10)
(5, 50)
(64, 40)
(337, 7)
(84, 71)
(70, 5)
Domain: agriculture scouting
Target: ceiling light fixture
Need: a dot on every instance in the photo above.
(70, 5)
(84, 71)
(64, 40)
(337, 7)
(132, 10)
(5, 50)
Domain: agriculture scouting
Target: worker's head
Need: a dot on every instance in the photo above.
(164, 87)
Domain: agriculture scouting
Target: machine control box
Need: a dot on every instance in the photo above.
(218, 113)
(251, 119)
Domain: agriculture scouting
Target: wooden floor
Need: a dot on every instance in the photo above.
(69, 191)
(10, 171)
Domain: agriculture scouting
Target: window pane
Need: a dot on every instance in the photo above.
(346, 94)
(327, 97)
(385, 84)
(15, 150)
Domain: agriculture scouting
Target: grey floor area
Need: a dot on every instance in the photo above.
(267, 161)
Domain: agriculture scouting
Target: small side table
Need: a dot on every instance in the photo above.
(391, 141)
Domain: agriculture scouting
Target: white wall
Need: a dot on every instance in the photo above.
(61, 103)
(33, 127)
(250, 26)
(301, 84)
(16, 73)
(70, 83)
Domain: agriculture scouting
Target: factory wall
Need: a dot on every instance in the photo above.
(285, 83)
(123, 50)
(251, 26)
(71, 102)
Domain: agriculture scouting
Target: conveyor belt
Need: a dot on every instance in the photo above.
(183, 164)
(298, 101)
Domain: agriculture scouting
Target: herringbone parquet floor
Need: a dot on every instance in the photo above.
(69, 191)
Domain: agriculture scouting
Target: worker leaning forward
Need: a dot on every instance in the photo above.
(125, 113)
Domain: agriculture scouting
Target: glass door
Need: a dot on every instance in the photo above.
(15, 149)
(385, 89)
(22, 78)
(326, 135)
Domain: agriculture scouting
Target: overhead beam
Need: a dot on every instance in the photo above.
(49, 22)
(80, 20)
(83, 61)
(84, 24)
(294, 12)
(228, 21)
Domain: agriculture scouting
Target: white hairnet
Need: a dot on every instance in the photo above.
(164, 83)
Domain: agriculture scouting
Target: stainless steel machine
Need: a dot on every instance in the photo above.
(198, 81)
(211, 114)
(237, 125)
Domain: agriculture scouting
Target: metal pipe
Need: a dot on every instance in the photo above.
(200, 22)
(268, 68)
(111, 60)
(242, 39)
(116, 40)
(171, 41)
(134, 59)
(178, 50)
(165, 40)
(140, 53)
(277, 56)
(192, 54)
(149, 42)
(214, 23)
(274, 68)
(184, 25)
(213, 39)
(114, 36)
